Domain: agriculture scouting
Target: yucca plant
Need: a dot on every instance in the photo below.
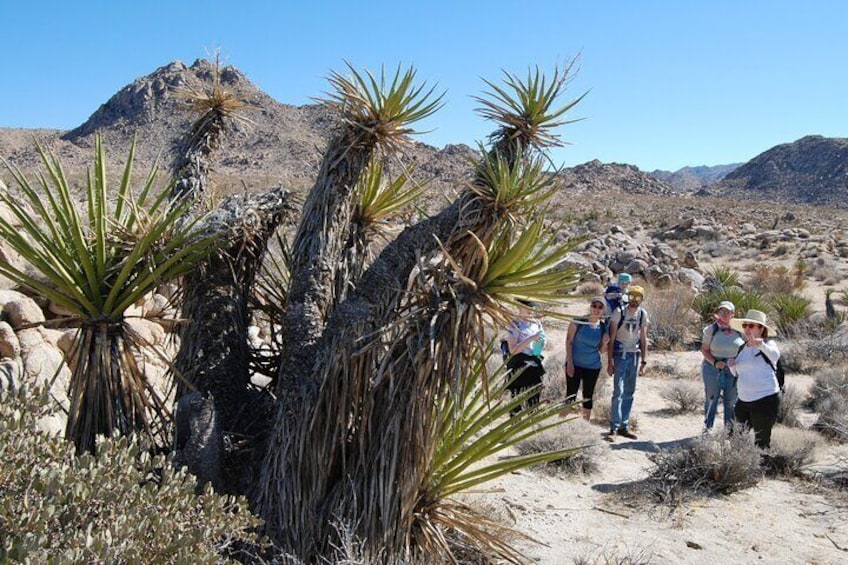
(526, 109)
(96, 262)
(705, 304)
(724, 276)
(362, 436)
(472, 426)
(790, 310)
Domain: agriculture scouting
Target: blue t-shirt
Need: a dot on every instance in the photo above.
(584, 347)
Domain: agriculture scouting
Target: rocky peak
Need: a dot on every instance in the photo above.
(811, 170)
(152, 96)
(598, 176)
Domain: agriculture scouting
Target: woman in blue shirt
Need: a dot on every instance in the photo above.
(586, 339)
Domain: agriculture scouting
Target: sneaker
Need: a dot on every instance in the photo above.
(627, 433)
(610, 436)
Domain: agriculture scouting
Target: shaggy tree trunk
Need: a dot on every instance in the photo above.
(214, 352)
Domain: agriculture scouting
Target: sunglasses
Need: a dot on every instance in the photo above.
(747, 325)
(598, 306)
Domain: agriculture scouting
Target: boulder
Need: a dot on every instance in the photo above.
(10, 346)
(692, 277)
(10, 374)
(19, 309)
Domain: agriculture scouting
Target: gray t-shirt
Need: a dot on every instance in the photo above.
(627, 334)
(724, 344)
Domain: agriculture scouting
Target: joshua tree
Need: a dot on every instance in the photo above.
(382, 407)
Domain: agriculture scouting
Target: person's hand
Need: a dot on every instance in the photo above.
(611, 368)
(569, 368)
(722, 363)
(641, 369)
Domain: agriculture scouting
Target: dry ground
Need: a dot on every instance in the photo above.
(581, 519)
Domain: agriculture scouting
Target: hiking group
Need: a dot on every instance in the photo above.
(741, 365)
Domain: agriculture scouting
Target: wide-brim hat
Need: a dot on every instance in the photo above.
(753, 316)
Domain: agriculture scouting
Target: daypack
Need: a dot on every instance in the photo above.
(779, 372)
(621, 318)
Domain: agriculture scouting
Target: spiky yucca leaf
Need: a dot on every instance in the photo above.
(379, 200)
(525, 108)
(472, 428)
(512, 188)
(382, 109)
(96, 264)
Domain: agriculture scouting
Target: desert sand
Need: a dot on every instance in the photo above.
(580, 519)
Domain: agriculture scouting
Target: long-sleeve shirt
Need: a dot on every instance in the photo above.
(756, 378)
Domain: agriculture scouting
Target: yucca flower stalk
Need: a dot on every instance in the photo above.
(96, 263)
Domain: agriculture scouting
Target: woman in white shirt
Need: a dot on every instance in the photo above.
(526, 340)
(757, 387)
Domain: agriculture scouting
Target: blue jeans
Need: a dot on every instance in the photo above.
(718, 382)
(623, 388)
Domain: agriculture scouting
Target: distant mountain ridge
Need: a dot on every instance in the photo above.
(811, 170)
(693, 179)
(285, 143)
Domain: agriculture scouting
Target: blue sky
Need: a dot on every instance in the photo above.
(670, 84)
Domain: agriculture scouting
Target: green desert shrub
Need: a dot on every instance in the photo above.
(119, 505)
(791, 449)
(705, 304)
(710, 464)
(683, 396)
(724, 276)
(578, 435)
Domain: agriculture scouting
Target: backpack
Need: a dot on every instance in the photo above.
(621, 318)
(779, 372)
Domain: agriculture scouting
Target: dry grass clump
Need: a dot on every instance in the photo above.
(591, 288)
(829, 399)
(630, 556)
(824, 270)
(671, 317)
(791, 449)
(711, 464)
(771, 280)
(790, 406)
(578, 434)
(683, 396)
(665, 369)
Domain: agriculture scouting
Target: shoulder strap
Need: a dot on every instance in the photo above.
(715, 328)
(765, 358)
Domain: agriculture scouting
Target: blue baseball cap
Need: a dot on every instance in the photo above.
(624, 278)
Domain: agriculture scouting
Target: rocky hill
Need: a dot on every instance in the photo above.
(693, 179)
(283, 145)
(811, 170)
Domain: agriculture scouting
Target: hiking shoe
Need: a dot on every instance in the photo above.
(627, 433)
(610, 436)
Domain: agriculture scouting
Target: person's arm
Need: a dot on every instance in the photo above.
(569, 348)
(611, 349)
(643, 345)
(706, 341)
(770, 350)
